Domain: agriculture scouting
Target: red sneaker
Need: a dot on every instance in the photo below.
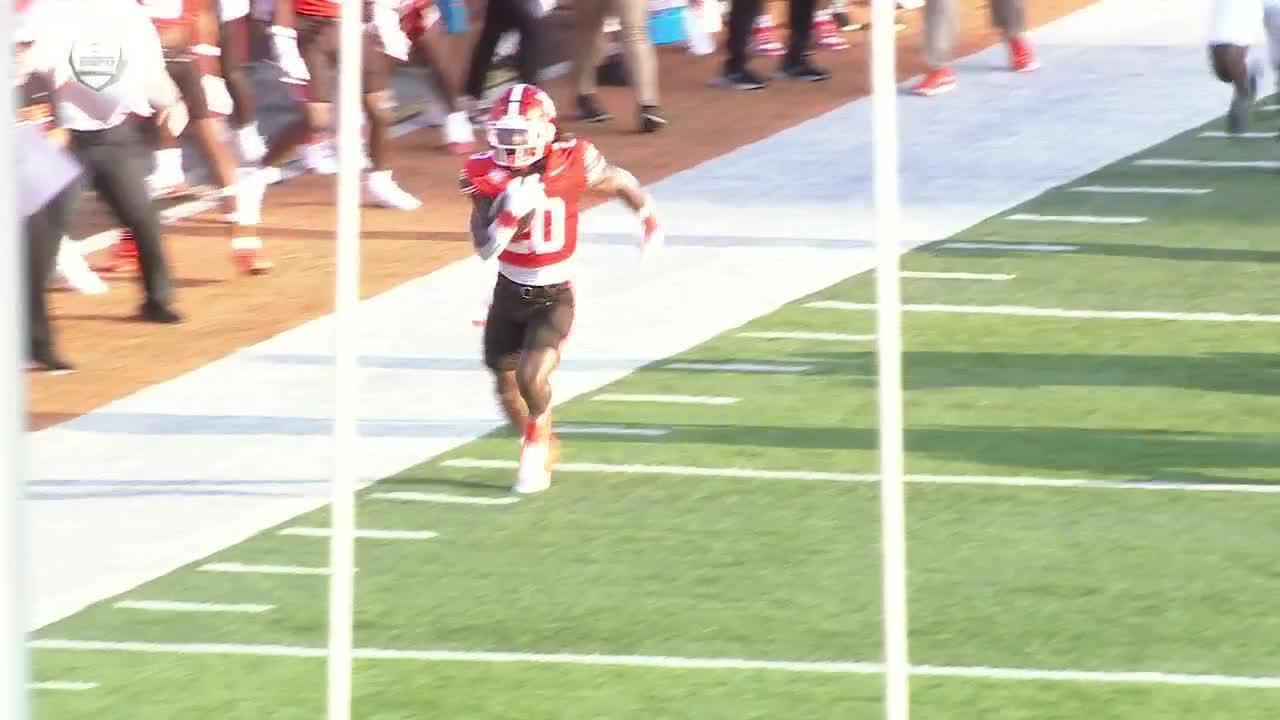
(936, 82)
(1021, 57)
(763, 41)
(124, 255)
(826, 34)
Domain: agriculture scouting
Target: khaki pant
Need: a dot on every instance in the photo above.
(637, 48)
(940, 26)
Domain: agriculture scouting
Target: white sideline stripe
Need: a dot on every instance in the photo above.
(1090, 219)
(611, 430)
(1181, 162)
(1269, 108)
(737, 367)
(751, 474)
(1121, 189)
(667, 662)
(674, 399)
(61, 685)
(322, 532)
(800, 335)
(1242, 136)
(956, 276)
(1025, 247)
(444, 498)
(250, 569)
(176, 606)
(1056, 312)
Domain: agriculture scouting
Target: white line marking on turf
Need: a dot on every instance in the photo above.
(1242, 136)
(176, 606)
(1226, 164)
(1023, 247)
(1022, 311)
(737, 367)
(324, 532)
(1269, 108)
(61, 685)
(673, 399)
(800, 335)
(250, 569)
(444, 498)
(956, 276)
(1089, 219)
(667, 662)
(611, 430)
(1136, 190)
(752, 474)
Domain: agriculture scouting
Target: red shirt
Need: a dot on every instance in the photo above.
(317, 8)
(569, 168)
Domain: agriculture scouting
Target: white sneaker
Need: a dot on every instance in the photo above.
(459, 133)
(165, 181)
(320, 158)
(252, 146)
(381, 190)
(75, 272)
(532, 477)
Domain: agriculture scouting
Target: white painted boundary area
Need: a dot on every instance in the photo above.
(1221, 164)
(200, 607)
(62, 685)
(1087, 219)
(802, 335)
(1015, 247)
(1023, 311)
(819, 475)
(104, 543)
(1139, 190)
(671, 399)
(1146, 677)
(1238, 136)
(737, 367)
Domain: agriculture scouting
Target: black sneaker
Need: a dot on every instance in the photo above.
(650, 119)
(803, 70)
(739, 80)
(589, 111)
(157, 313)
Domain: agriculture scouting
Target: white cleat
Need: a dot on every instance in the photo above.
(251, 145)
(320, 158)
(75, 272)
(459, 133)
(532, 476)
(381, 190)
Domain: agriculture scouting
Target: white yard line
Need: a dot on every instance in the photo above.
(1221, 164)
(819, 475)
(803, 335)
(200, 607)
(62, 685)
(671, 399)
(1241, 136)
(1023, 311)
(666, 662)
(737, 367)
(1269, 108)
(1016, 247)
(324, 532)
(443, 498)
(612, 430)
(913, 275)
(1087, 219)
(1139, 190)
(253, 569)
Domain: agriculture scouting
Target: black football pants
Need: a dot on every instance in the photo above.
(45, 228)
(742, 16)
(115, 163)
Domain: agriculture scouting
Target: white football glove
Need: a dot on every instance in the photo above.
(525, 194)
(284, 46)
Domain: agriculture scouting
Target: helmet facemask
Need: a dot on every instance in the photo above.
(518, 142)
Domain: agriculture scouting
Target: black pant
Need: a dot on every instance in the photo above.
(115, 162)
(742, 16)
(499, 17)
(45, 228)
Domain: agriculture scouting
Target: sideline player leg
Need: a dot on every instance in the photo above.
(421, 24)
(1233, 27)
(233, 39)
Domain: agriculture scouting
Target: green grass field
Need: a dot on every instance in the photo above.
(1006, 572)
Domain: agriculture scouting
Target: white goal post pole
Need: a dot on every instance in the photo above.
(893, 544)
(13, 414)
(345, 373)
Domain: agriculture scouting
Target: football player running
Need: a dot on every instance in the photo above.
(526, 193)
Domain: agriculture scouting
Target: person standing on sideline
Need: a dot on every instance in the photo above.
(305, 41)
(233, 40)
(940, 17)
(1233, 30)
(637, 48)
(795, 62)
(420, 20)
(105, 64)
(524, 16)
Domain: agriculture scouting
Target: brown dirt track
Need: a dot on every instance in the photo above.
(117, 356)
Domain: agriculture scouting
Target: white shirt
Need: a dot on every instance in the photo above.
(105, 60)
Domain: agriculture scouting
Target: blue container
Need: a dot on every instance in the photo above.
(667, 26)
(454, 14)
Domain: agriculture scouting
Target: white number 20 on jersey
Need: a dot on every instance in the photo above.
(546, 231)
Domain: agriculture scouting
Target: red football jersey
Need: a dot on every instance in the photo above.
(317, 8)
(539, 255)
